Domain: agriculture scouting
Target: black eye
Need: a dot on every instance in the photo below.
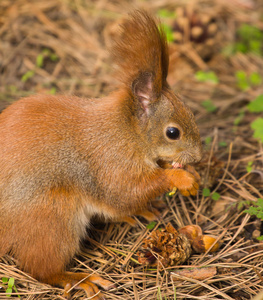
(173, 133)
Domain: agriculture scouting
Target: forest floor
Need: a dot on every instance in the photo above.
(60, 46)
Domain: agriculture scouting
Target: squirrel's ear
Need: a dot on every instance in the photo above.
(142, 88)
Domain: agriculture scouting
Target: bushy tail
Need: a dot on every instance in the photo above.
(142, 49)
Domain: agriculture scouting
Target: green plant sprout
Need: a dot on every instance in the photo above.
(242, 82)
(242, 204)
(257, 126)
(209, 105)
(255, 79)
(256, 106)
(53, 91)
(257, 211)
(208, 140)
(10, 286)
(29, 74)
(222, 144)
(151, 225)
(245, 82)
(168, 32)
(45, 53)
(167, 14)
(208, 76)
(207, 193)
(249, 39)
(249, 166)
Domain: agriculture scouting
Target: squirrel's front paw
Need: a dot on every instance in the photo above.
(186, 182)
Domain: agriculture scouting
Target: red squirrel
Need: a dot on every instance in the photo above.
(65, 159)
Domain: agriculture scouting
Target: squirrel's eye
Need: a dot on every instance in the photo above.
(173, 133)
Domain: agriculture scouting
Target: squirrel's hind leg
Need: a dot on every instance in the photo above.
(46, 237)
(84, 281)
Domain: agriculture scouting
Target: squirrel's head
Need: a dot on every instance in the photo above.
(164, 122)
(167, 125)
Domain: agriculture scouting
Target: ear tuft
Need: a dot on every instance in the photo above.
(142, 48)
(142, 89)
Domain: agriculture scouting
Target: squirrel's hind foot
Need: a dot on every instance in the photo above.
(84, 281)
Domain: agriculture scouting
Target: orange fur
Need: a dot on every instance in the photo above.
(66, 159)
(142, 48)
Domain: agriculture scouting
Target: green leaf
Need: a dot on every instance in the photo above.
(4, 279)
(240, 47)
(242, 81)
(249, 166)
(9, 291)
(165, 13)
(206, 76)
(252, 210)
(208, 140)
(206, 192)
(11, 282)
(255, 46)
(27, 75)
(255, 78)
(256, 210)
(151, 225)
(215, 196)
(53, 91)
(53, 56)
(46, 52)
(257, 126)
(248, 32)
(241, 75)
(256, 105)
(209, 105)
(249, 39)
(168, 32)
(260, 238)
(222, 144)
(260, 203)
(40, 60)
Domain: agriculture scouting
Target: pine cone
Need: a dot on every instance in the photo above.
(199, 29)
(192, 26)
(166, 247)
